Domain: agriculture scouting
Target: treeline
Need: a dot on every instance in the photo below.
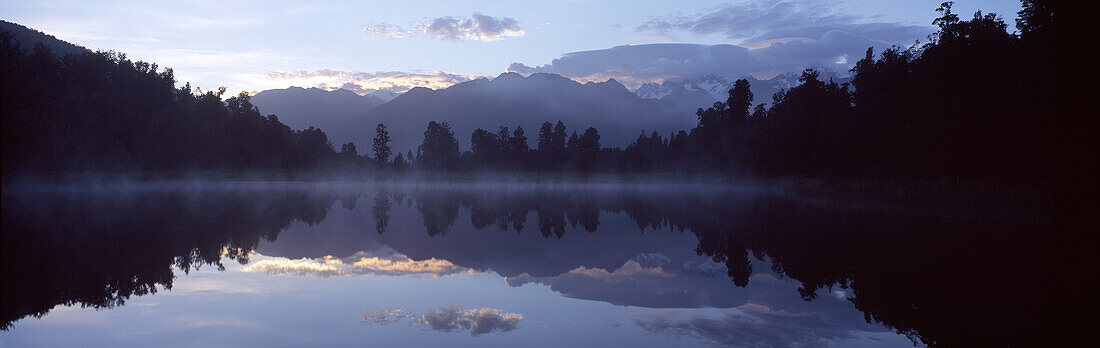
(557, 150)
(101, 112)
(506, 150)
(967, 104)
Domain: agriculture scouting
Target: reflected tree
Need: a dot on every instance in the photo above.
(380, 211)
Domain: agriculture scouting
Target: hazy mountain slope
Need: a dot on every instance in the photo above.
(301, 108)
(511, 100)
(384, 95)
(28, 37)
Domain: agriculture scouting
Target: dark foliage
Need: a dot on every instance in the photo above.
(440, 148)
(102, 112)
(381, 145)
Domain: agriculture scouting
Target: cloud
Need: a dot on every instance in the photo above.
(772, 19)
(386, 30)
(477, 27)
(750, 329)
(633, 65)
(362, 82)
(636, 64)
(774, 37)
(836, 50)
(477, 321)
(360, 263)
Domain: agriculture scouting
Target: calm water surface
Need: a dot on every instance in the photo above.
(340, 264)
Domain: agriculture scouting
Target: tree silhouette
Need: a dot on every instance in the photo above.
(739, 101)
(348, 152)
(381, 146)
(517, 148)
(439, 149)
(399, 162)
(380, 211)
(485, 148)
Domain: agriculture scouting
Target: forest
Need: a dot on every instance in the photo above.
(969, 103)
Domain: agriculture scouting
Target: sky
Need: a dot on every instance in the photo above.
(366, 46)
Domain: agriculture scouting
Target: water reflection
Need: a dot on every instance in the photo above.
(940, 273)
(477, 321)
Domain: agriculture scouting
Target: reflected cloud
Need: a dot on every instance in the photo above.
(391, 263)
(748, 329)
(195, 322)
(477, 321)
(388, 315)
(401, 264)
(296, 267)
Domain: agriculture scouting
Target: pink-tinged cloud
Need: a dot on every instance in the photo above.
(363, 82)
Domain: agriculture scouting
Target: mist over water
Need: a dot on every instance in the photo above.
(483, 260)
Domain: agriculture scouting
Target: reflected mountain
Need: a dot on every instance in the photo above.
(943, 273)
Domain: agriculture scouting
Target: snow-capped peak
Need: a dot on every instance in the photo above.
(652, 90)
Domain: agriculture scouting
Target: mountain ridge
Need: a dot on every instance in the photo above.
(300, 108)
(511, 100)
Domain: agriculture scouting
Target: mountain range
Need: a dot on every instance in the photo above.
(300, 108)
(513, 100)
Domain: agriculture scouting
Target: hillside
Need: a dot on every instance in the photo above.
(28, 38)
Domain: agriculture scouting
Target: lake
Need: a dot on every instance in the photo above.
(601, 263)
